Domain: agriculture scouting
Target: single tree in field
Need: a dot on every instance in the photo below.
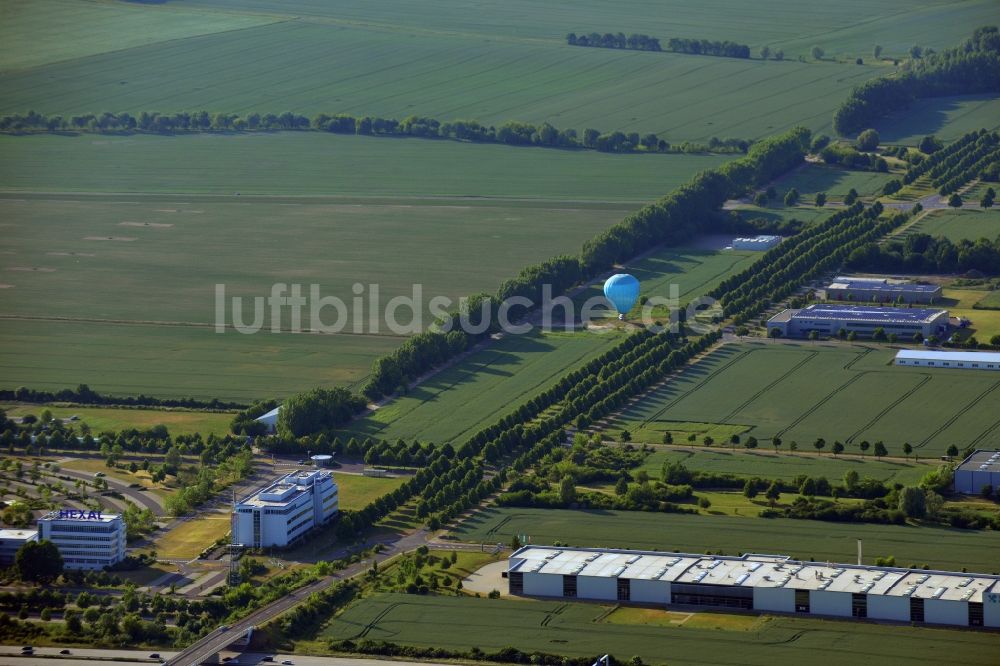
(668, 438)
(842, 333)
(851, 479)
(907, 449)
(817, 53)
(626, 436)
(913, 502)
(952, 451)
(774, 333)
(821, 199)
(621, 487)
(760, 200)
(750, 489)
(791, 197)
(765, 52)
(708, 441)
(864, 446)
(794, 446)
(877, 52)
(814, 335)
(776, 443)
(850, 197)
(880, 450)
(918, 337)
(567, 490)
(955, 201)
(819, 444)
(734, 440)
(742, 331)
(838, 448)
(772, 494)
(751, 443)
(779, 55)
(868, 140)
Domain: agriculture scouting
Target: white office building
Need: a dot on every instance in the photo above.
(86, 539)
(284, 511)
(768, 583)
(11, 541)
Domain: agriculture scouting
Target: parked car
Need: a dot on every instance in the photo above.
(287, 662)
(64, 652)
(155, 655)
(224, 627)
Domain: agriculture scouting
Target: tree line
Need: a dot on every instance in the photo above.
(511, 132)
(638, 42)
(84, 395)
(924, 254)
(634, 42)
(972, 67)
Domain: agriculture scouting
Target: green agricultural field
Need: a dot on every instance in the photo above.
(745, 463)
(808, 215)
(836, 182)
(991, 301)
(943, 548)
(178, 422)
(580, 629)
(306, 163)
(802, 392)
(181, 361)
(484, 386)
(946, 117)
(960, 224)
(40, 32)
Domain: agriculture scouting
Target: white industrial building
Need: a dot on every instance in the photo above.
(760, 243)
(980, 469)
(828, 319)
(940, 358)
(270, 419)
(11, 541)
(767, 583)
(882, 290)
(85, 539)
(285, 510)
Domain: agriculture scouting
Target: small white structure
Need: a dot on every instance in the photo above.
(770, 583)
(760, 243)
(86, 539)
(270, 419)
(286, 509)
(321, 460)
(980, 469)
(11, 541)
(939, 358)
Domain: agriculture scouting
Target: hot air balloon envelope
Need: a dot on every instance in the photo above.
(623, 291)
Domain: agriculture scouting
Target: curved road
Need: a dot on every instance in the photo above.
(139, 497)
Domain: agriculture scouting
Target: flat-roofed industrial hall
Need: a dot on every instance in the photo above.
(771, 583)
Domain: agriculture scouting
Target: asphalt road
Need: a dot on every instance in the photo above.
(139, 497)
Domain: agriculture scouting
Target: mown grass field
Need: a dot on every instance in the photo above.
(834, 181)
(579, 629)
(990, 301)
(356, 491)
(721, 459)
(959, 224)
(178, 422)
(802, 392)
(192, 536)
(946, 117)
(944, 548)
(489, 383)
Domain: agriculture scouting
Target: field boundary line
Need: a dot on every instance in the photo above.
(679, 375)
(809, 356)
(819, 403)
(895, 403)
(958, 414)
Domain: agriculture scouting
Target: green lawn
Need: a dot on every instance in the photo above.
(956, 225)
(949, 549)
(192, 536)
(486, 385)
(801, 392)
(356, 491)
(990, 301)
(178, 422)
(721, 459)
(579, 629)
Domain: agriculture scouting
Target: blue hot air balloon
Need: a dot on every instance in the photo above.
(622, 290)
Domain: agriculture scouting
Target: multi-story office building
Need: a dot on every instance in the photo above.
(86, 539)
(282, 512)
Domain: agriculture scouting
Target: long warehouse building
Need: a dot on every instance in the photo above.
(769, 583)
(827, 320)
